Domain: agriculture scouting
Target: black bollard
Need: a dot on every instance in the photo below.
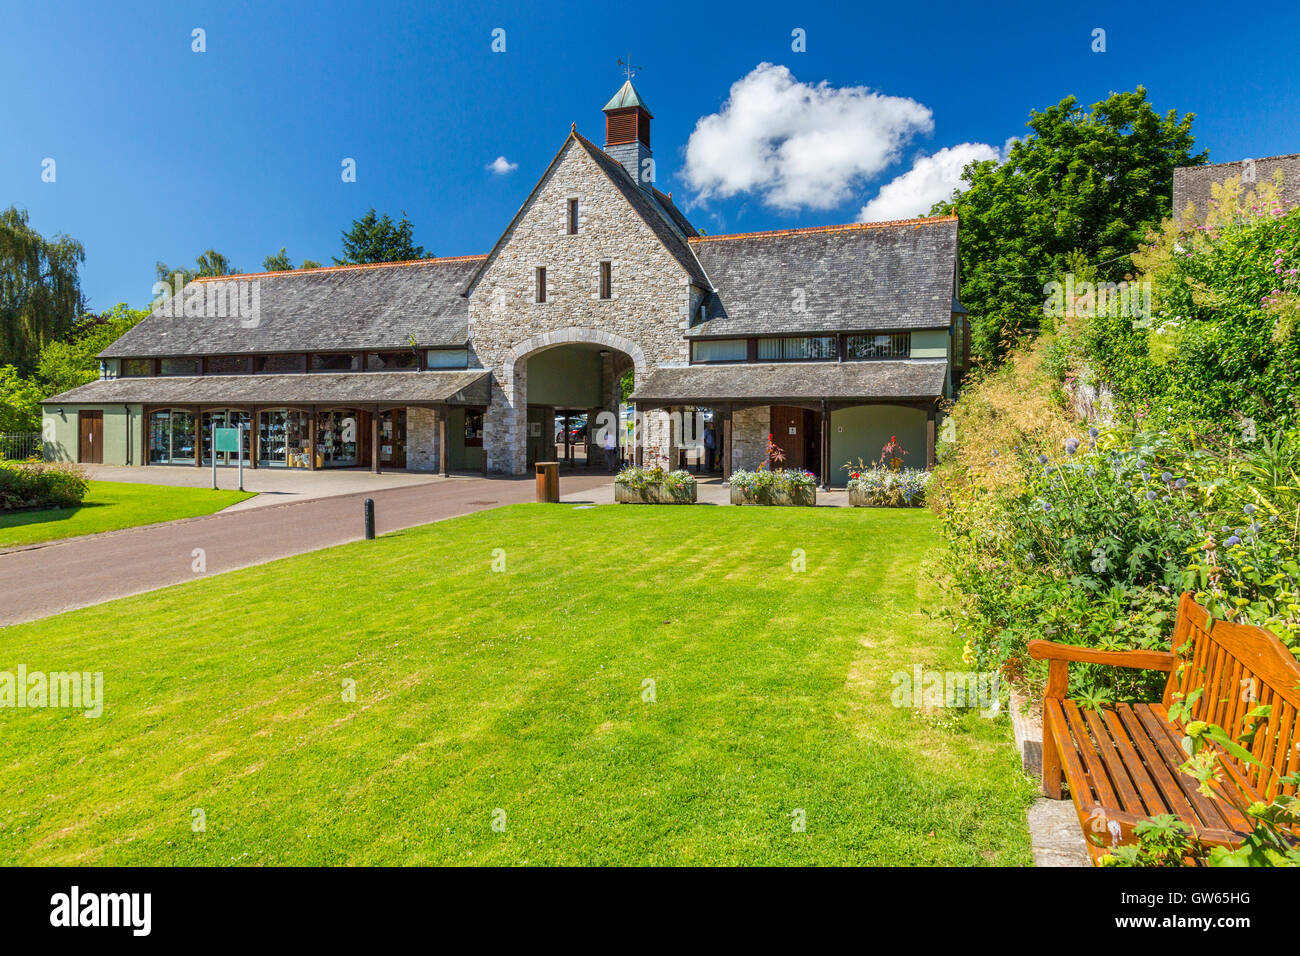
(370, 519)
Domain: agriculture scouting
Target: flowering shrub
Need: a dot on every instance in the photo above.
(1094, 545)
(765, 480)
(679, 483)
(884, 487)
(40, 486)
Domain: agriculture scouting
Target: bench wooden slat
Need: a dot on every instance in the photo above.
(1119, 776)
(1151, 797)
(1227, 811)
(1101, 785)
(1174, 797)
(1171, 751)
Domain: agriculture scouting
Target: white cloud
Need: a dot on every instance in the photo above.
(930, 180)
(798, 145)
(502, 166)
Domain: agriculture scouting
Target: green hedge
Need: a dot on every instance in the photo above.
(40, 486)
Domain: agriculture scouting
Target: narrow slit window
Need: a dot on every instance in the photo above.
(573, 217)
(541, 284)
(606, 284)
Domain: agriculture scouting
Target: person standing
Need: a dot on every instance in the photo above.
(710, 447)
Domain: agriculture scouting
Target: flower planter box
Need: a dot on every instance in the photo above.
(799, 497)
(653, 494)
(860, 499)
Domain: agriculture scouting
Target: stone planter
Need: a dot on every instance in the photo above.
(859, 499)
(652, 494)
(800, 497)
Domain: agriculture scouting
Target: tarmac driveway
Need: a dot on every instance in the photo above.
(47, 579)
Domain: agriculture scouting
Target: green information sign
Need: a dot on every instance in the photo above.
(225, 439)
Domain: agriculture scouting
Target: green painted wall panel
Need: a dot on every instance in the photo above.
(861, 432)
(121, 433)
(565, 377)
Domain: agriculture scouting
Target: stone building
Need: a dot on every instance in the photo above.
(830, 339)
(1194, 185)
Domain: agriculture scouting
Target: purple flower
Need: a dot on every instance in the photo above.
(1233, 539)
(1166, 477)
(1093, 433)
(1249, 509)
(1180, 484)
(1071, 446)
(1151, 496)
(1042, 459)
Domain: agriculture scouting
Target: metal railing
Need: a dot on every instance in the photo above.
(20, 446)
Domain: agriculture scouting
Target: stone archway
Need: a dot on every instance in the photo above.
(508, 416)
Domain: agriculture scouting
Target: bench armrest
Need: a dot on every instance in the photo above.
(1139, 660)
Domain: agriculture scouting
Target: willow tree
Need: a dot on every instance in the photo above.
(40, 289)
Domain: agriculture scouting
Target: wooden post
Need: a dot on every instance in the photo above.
(1058, 685)
(442, 442)
(198, 435)
(929, 435)
(826, 447)
(374, 439)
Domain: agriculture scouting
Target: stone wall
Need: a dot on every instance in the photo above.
(646, 316)
(422, 439)
(749, 430)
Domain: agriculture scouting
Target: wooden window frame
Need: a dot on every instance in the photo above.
(571, 216)
(606, 279)
(539, 285)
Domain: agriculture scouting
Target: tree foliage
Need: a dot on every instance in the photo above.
(210, 263)
(378, 239)
(40, 289)
(280, 262)
(1086, 183)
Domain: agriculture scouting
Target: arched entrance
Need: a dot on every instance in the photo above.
(556, 385)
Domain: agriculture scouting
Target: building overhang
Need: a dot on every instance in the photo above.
(447, 387)
(905, 382)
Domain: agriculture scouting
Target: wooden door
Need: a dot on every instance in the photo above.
(812, 431)
(392, 439)
(790, 433)
(90, 450)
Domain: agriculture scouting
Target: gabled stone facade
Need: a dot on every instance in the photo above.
(652, 295)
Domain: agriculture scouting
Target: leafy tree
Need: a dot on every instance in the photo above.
(280, 262)
(1091, 183)
(210, 263)
(378, 239)
(20, 402)
(74, 360)
(40, 290)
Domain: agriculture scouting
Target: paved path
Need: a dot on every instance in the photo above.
(273, 485)
(51, 578)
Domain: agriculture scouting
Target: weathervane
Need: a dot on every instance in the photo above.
(628, 69)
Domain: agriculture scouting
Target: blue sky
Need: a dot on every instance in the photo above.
(162, 152)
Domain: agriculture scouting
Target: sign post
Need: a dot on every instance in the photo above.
(227, 440)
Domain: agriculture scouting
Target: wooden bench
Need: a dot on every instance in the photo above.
(1122, 763)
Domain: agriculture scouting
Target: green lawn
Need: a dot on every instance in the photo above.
(112, 505)
(521, 691)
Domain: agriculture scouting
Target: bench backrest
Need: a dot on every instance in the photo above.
(1240, 667)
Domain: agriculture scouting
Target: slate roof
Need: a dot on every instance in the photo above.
(1193, 184)
(461, 387)
(699, 384)
(863, 277)
(342, 307)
